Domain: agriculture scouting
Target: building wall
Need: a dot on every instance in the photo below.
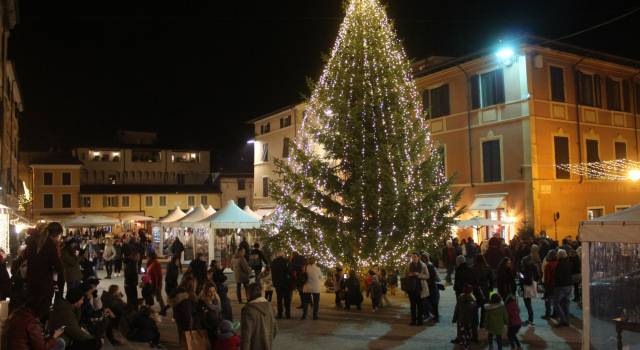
(275, 139)
(138, 203)
(57, 189)
(525, 124)
(143, 166)
(231, 191)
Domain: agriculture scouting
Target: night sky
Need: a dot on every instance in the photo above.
(197, 71)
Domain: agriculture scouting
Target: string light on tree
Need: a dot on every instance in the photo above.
(363, 183)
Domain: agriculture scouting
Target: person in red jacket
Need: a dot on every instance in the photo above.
(549, 276)
(154, 276)
(23, 331)
(514, 321)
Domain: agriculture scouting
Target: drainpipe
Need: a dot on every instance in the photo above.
(634, 88)
(577, 93)
(466, 76)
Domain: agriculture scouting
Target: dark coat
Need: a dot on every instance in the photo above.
(563, 273)
(464, 275)
(199, 269)
(23, 331)
(280, 273)
(171, 279)
(494, 255)
(353, 292)
(71, 265)
(130, 272)
(143, 328)
(465, 311)
(41, 265)
(185, 311)
(484, 275)
(506, 282)
(5, 281)
(63, 314)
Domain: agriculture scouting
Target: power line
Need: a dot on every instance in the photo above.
(594, 26)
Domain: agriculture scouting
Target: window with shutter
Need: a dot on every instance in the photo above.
(491, 164)
(48, 201)
(265, 152)
(426, 102)
(105, 202)
(561, 154)
(125, 201)
(474, 81)
(285, 147)
(620, 150)
(556, 75)
(148, 201)
(626, 96)
(592, 156)
(436, 101)
(597, 91)
(614, 94)
(585, 86)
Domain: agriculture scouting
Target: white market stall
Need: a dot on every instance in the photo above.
(229, 217)
(90, 221)
(611, 280)
(198, 231)
(248, 210)
(476, 223)
(168, 224)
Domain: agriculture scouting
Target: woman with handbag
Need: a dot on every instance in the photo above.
(415, 284)
(311, 288)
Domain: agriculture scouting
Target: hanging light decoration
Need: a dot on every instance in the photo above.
(611, 170)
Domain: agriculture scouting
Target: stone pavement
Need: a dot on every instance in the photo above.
(385, 329)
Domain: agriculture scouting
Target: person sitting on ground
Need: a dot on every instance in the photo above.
(98, 321)
(258, 322)
(227, 339)
(144, 328)
(464, 316)
(375, 292)
(353, 294)
(112, 299)
(23, 331)
(66, 313)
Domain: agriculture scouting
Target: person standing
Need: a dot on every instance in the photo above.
(529, 285)
(449, 258)
(171, 277)
(433, 300)
(562, 288)
(199, 269)
(267, 282)
(259, 327)
(298, 263)
(506, 278)
(117, 259)
(514, 324)
(177, 248)
(108, 255)
(418, 273)
(311, 288)
(465, 316)
(154, 271)
(242, 271)
(244, 245)
(353, 294)
(374, 291)
(496, 319)
(338, 286)
(256, 259)
(549, 276)
(70, 257)
(281, 279)
(43, 267)
(484, 276)
(131, 280)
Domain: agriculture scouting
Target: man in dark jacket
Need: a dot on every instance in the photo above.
(177, 248)
(449, 259)
(298, 262)
(562, 288)
(281, 278)
(199, 270)
(433, 300)
(66, 312)
(131, 280)
(464, 276)
(171, 277)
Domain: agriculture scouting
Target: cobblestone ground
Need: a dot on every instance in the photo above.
(385, 329)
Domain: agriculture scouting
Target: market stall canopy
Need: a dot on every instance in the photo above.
(173, 216)
(89, 220)
(198, 214)
(477, 221)
(248, 210)
(621, 227)
(489, 201)
(231, 216)
(138, 218)
(264, 213)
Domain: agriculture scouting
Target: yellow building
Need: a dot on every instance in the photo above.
(55, 187)
(238, 187)
(502, 120)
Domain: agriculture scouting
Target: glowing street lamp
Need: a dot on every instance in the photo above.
(249, 142)
(505, 53)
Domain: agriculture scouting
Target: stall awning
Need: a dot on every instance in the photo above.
(478, 222)
(487, 201)
(621, 227)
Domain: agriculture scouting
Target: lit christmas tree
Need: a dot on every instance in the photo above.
(364, 184)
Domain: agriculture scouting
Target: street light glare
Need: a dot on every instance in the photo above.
(505, 53)
(251, 141)
(634, 174)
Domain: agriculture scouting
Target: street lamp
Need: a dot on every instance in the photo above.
(634, 175)
(252, 141)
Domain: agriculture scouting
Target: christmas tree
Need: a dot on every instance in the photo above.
(363, 184)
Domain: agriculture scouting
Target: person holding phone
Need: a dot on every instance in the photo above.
(24, 331)
(65, 313)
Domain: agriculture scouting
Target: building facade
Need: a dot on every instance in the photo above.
(237, 187)
(56, 189)
(503, 122)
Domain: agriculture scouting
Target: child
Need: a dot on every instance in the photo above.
(464, 314)
(375, 292)
(227, 338)
(267, 284)
(514, 321)
(495, 319)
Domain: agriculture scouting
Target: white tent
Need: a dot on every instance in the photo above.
(229, 217)
(198, 214)
(248, 210)
(477, 221)
(610, 256)
(90, 220)
(138, 218)
(173, 216)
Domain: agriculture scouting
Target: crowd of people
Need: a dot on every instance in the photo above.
(490, 277)
(54, 301)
